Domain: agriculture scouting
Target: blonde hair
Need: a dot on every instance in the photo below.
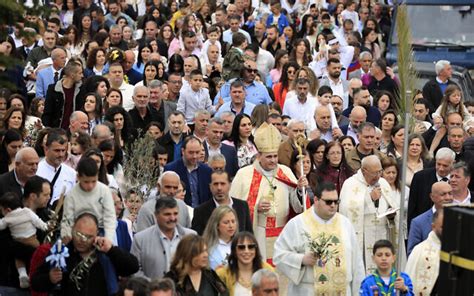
(446, 103)
(313, 80)
(211, 232)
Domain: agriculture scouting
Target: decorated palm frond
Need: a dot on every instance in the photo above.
(407, 73)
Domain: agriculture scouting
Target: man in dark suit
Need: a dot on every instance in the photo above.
(172, 141)
(419, 201)
(441, 193)
(220, 187)
(434, 89)
(29, 42)
(195, 175)
(26, 164)
(357, 116)
(362, 98)
(213, 145)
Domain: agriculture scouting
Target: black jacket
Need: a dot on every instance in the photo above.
(432, 92)
(54, 104)
(167, 142)
(204, 211)
(209, 276)
(420, 189)
(125, 264)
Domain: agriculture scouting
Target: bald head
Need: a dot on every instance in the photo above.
(78, 122)
(370, 161)
(26, 163)
(168, 184)
(441, 193)
(358, 115)
(353, 84)
(322, 115)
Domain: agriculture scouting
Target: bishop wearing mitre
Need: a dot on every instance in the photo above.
(273, 193)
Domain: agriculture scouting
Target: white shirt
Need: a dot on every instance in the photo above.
(301, 111)
(65, 181)
(227, 36)
(352, 133)
(265, 62)
(337, 87)
(465, 201)
(127, 94)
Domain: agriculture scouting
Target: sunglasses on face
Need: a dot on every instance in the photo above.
(81, 236)
(331, 201)
(251, 70)
(248, 247)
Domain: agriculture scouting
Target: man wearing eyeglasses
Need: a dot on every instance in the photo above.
(338, 270)
(92, 266)
(365, 197)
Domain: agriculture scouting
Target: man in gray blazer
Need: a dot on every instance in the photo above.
(155, 246)
(168, 185)
(164, 107)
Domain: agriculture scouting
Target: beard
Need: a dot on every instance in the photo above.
(335, 75)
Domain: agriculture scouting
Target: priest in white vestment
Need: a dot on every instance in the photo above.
(423, 262)
(317, 250)
(364, 196)
(270, 189)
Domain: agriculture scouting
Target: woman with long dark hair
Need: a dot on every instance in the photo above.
(85, 30)
(96, 62)
(93, 109)
(11, 144)
(308, 171)
(334, 167)
(316, 150)
(144, 51)
(176, 64)
(242, 139)
(301, 52)
(395, 148)
(122, 123)
(281, 58)
(243, 261)
(150, 73)
(165, 36)
(287, 76)
(306, 24)
(388, 121)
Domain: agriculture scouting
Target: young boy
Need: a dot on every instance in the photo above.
(195, 97)
(384, 281)
(89, 195)
(22, 223)
(277, 18)
(234, 59)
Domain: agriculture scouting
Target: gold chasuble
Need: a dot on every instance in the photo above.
(325, 240)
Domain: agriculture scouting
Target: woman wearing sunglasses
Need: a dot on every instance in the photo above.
(244, 260)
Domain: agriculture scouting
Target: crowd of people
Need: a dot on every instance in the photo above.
(277, 146)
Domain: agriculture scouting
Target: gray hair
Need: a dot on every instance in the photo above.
(293, 122)
(216, 157)
(75, 115)
(364, 53)
(171, 173)
(55, 52)
(463, 166)
(201, 112)
(439, 66)
(140, 87)
(155, 83)
(369, 160)
(227, 113)
(113, 27)
(365, 125)
(445, 153)
(260, 274)
(216, 120)
(21, 153)
(95, 131)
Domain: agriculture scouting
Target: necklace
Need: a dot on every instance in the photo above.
(246, 283)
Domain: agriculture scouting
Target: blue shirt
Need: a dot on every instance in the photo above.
(193, 185)
(369, 286)
(282, 22)
(255, 93)
(177, 149)
(248, 108)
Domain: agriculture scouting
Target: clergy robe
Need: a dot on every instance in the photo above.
(357, 205)
(292, 244)
(423, 265)
(252, 183)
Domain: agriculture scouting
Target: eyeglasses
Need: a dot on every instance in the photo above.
(251, 70)
(81, 236)
(331, 201)
(248, 247)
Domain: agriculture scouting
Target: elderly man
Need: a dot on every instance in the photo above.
(213, 145)
(265, 283)
(423, 263)
(78, 122)
(167, 186)
(220, 187)
(322, 117)
(338, 270)
(296, 129)
(195, 175)
(86, 244)
(52, 167)
(163, 106)
(357, 117)
(420, 226)
(434, 89)
(366, 146)
(270, 189)
(142, 114)
(101, 133)
(50, 75)
(26, 164)
(419, 201)
(365, 196)
(217, 162)
(155, 246)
